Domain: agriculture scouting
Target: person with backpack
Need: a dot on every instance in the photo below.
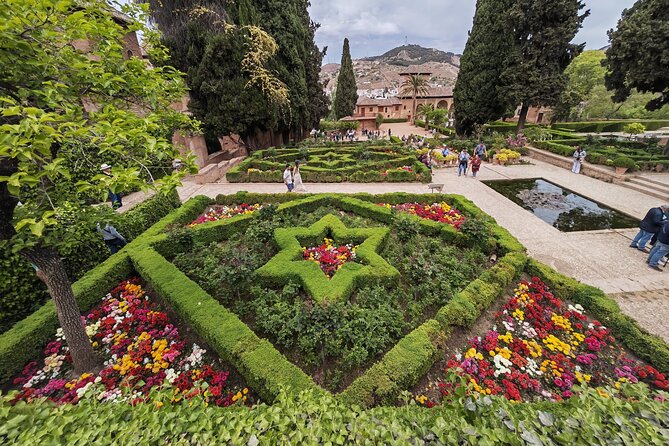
(114, 241)
(660, 249)
(482, 151)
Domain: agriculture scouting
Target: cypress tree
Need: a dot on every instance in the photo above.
(347, 90)
(542, 31)
(476, 94)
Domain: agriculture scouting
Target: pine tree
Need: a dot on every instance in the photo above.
(542, 31)
(347, 90)
(476, 94)
(637, 58)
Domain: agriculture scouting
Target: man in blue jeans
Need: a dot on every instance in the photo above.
(660, 249)
(463, 162)
(649, 226)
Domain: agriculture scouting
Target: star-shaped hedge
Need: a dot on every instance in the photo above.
(289, 264)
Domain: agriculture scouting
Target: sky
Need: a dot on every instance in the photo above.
(376, 26)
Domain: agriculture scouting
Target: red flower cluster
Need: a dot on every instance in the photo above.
(441, 212)
(224, 212)
(141, 350)
(542, 347)
(329, 257)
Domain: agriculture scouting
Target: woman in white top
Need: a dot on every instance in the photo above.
(297, 178)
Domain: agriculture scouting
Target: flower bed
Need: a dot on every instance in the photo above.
(542, 348)
(224, 212)
(441, 212)
(141, 350)
(329, 257)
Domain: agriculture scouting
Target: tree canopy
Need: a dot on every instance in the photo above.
(68, 90)
(477, 96)
(639, 54)
(542, 32)
(251, 66)
(347, 91)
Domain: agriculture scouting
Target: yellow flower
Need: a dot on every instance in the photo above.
(602, 392)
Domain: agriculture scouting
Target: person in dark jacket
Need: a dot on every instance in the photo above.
(660, 249)
(650, 225)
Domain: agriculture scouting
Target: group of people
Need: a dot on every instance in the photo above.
(579, 155)
(465, 160)
(293, 179)
(654, 230)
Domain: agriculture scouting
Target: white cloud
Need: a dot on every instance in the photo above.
(375, 26)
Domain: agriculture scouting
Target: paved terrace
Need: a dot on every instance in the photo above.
(599, 258)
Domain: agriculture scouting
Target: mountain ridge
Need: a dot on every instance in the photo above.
(382, 75)
(406, 55)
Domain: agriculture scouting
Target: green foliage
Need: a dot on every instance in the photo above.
(542, 33)
(347, 91)
(636, 58)
(478, 99)
(45, 124)
(634, 128)
(623, 161)
(82, 249)
(354, 163)
(308, 418)
(288, 265)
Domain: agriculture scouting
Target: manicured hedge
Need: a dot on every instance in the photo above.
(288, 265)
(265, 369)
(646, 346)
(361, 163)
(399, 369)
(608, 126)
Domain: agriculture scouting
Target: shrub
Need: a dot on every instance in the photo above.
(623, 161)
(635, 128)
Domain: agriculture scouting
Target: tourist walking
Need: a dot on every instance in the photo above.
(297, 178)
(463, 162)
(649, 226)
(476, 165)
(660, 249)
(114, 241)
(579, 156)
(481, 151)
(115, 198)
(288, 178)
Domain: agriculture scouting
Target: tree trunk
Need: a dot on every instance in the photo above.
(413, 110)
(69, 316)
(522, 118)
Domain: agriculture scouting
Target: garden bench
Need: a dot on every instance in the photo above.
(438, 187)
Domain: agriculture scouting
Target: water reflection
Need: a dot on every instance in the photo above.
(561, 208)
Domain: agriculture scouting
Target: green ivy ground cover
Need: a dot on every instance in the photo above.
(362, 163)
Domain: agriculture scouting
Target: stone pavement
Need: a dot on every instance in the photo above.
(649, 308)
(599, 258)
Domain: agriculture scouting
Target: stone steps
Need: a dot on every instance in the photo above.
(648, 186)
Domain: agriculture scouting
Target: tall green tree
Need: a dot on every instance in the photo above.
(542, 31)
(583, 74)
(347, 90)
(477, 96)
(44, 85)
(415, 86)
(639, 54)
